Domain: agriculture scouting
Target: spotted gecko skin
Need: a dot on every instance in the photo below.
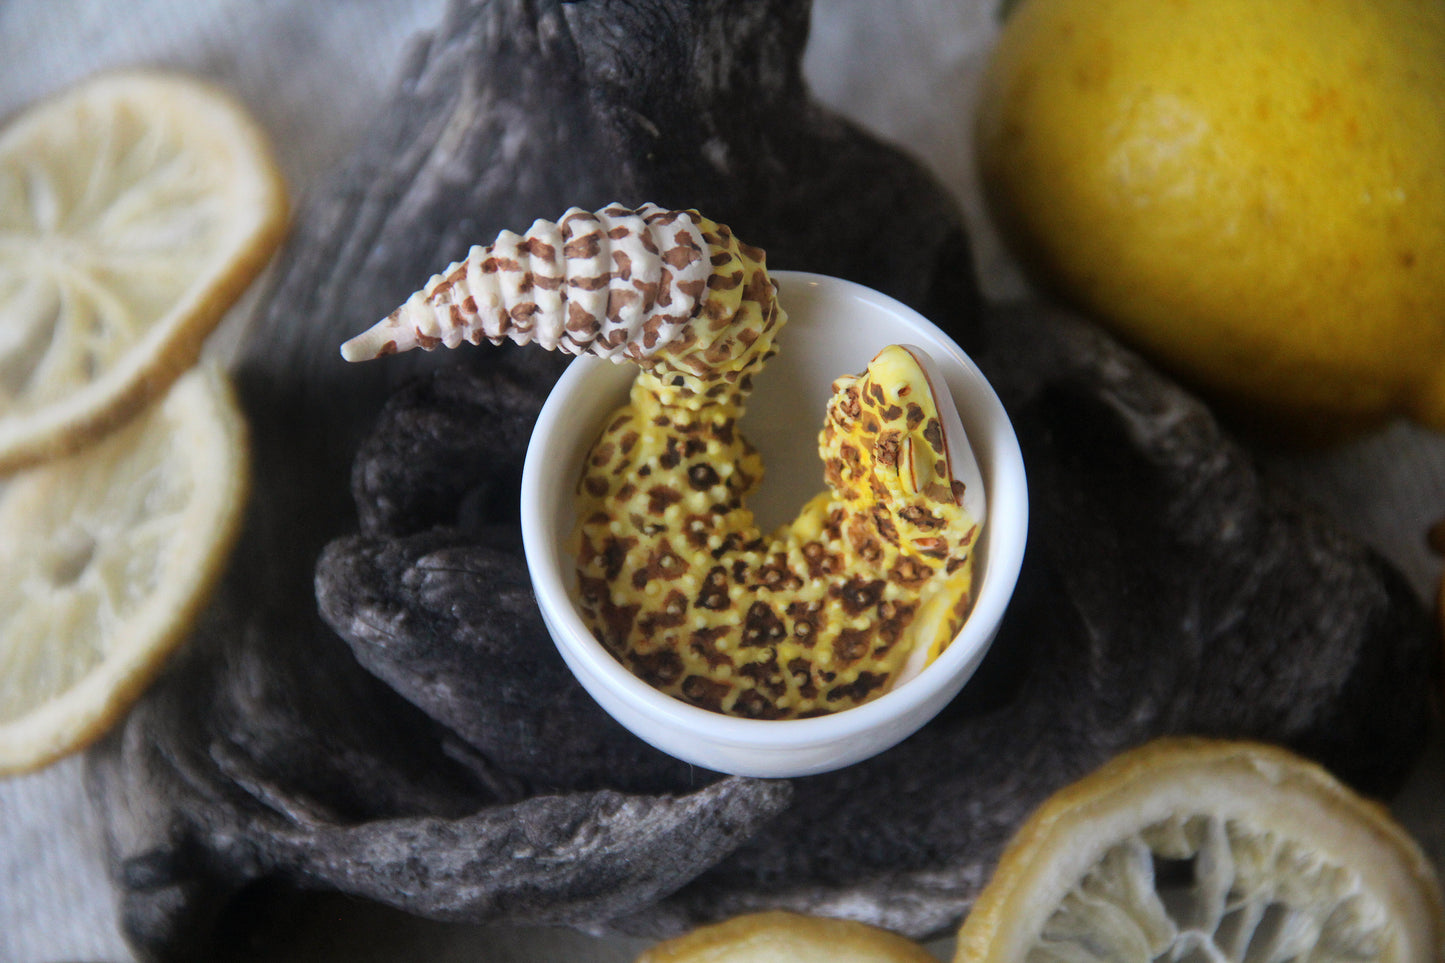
(866, 586)
(617, 283)
(869, 583)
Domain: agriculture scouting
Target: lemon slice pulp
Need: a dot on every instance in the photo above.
(134, 209)
(1192, 851)
(106, 557)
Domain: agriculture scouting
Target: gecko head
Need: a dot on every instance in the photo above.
(894, 448)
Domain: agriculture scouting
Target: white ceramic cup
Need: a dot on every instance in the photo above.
(834, 327)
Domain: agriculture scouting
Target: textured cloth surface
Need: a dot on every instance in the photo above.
(312, 74)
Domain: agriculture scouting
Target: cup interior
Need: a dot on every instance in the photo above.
(834, 327)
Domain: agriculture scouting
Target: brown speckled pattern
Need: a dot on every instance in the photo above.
(678, 582)
(617, 283)
(871, 580)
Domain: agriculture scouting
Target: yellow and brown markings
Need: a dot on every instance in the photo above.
(673, 574)
(681, 586)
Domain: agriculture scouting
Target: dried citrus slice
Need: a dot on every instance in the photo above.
(782, 937)
(1195, 851)
(134, 209)
(106, 556)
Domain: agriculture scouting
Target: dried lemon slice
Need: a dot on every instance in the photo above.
(134, 210)
(1195, 851)
(106, 557)
(776, 936)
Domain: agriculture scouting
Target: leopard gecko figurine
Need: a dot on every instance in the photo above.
(857, 594)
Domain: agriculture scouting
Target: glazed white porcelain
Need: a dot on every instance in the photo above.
(834, 327)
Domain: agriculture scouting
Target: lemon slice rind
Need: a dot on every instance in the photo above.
(116, 264)
(156, 507)
(1099, 842)
(775, 935)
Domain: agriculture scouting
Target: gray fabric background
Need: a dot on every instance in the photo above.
(310, 72)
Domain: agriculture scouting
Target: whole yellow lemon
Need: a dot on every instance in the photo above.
(1250, 191)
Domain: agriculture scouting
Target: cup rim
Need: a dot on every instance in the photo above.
(1005, 528)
